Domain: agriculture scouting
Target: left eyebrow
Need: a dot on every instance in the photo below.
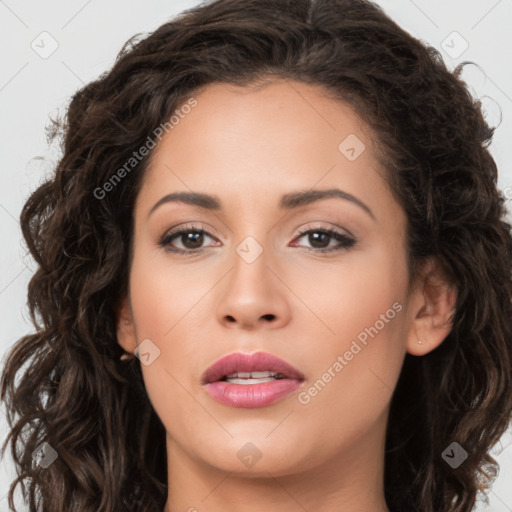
(287, 202)
(194, 198)
(305, 197)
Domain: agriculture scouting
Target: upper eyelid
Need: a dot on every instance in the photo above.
(301, 231)
(336, 229)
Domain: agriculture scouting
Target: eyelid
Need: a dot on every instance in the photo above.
(334, 232)
(188, 227)
(330, 227)
(200, 227)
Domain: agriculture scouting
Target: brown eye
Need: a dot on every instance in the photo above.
(320, 238)
(190, 238)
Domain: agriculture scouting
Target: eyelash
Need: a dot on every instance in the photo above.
(346, 241)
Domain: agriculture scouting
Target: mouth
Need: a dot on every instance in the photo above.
(245, 378)
(247, 369)
(257, 380)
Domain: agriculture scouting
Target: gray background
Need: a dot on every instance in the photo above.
(87, 36)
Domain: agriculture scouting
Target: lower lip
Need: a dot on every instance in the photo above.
(251, 395)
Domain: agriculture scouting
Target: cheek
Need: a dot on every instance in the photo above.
(355, 348)
(345, 298)
(160, 303)
(352, 383)
(168, 304)
(163, 294)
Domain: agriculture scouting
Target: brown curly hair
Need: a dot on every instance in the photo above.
(75, 394)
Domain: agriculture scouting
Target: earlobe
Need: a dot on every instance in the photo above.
(125, 328)
(433, 304)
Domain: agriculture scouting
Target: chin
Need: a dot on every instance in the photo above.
(254, 456)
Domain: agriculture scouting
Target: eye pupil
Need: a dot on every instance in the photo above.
(314, 239)
(195, 237)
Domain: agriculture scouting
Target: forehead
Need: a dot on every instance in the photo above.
(244, 142)
(293, 111)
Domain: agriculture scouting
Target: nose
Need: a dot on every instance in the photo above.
(253, 295)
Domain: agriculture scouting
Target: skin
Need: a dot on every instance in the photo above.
(248, 148)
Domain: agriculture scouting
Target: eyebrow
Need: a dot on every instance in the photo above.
(287, 202)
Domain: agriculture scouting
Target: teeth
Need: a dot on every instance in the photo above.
(248, 375)
(242, 375)
(253, 377)
(259, 375)
(250, 381)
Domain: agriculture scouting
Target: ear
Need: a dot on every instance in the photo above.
(125, 327)
(432, 309)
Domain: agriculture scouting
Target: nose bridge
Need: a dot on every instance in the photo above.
(251, 293)
(250, 260)
(251, 248)
(250, 233)
(253, 243)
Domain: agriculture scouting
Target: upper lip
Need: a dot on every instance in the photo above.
(240, 362)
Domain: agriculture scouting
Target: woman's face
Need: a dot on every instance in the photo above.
(254, 282)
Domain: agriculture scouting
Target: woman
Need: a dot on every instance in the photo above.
(274, 274)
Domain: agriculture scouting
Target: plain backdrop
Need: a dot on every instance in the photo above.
(50, 49)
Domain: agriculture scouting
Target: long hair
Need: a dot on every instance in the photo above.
(64, 384)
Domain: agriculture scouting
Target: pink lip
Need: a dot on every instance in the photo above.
(250, 395)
